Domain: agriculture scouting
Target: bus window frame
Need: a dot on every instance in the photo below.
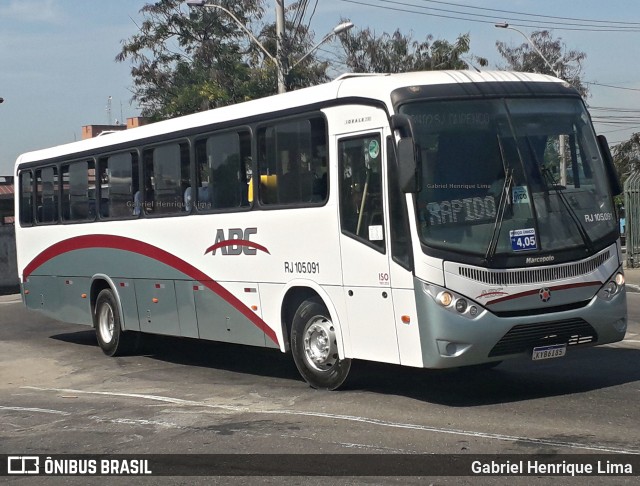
(194, 169)
(62, 164)
(272, 122)
(105, 155)
(57, 193)
(142, 148)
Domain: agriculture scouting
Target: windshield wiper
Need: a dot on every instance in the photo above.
(502, 205)
(546, 173)
(497, 225)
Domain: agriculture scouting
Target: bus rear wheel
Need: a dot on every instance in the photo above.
(106, 319)
(314, 347)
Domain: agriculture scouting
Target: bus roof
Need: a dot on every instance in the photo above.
(373, 86)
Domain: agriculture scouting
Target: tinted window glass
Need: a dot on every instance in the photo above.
(292, 162)
(223, 165)
(361, 212)
(118, 185)
(78, 191)
(26, 198)
(47, 195)
(166, 175)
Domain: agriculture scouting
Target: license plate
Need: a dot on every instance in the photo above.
(549, 352)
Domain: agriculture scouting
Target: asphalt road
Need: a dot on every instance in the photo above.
(59, 394)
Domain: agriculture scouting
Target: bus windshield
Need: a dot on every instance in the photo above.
(509, 176)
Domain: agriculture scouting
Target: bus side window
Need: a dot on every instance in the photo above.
(221, 170)
(166, 176)
(47, 195)
(26, 198)
(292, 162)
(118, 181)
(76, 196)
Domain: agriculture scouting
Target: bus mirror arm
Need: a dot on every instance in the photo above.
(612, 175)
(409, 168)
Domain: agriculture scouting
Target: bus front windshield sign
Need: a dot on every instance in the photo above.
(509, 176)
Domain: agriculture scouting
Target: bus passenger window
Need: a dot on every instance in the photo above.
(118, 182)
(26, 198)
(47, 195)
(78, 179)
(166, 178)
(292, 162)
(221, 169)
(361, 213)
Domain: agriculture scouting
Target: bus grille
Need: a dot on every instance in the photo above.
(540, 275)
(525, 337)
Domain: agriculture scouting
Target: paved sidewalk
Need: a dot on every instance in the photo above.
(632, 277)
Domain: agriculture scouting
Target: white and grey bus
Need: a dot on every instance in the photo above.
(432, 219)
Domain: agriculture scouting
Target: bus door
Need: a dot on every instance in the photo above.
(363, 242)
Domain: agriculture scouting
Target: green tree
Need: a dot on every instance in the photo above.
(567, 63)
(394, 53)
(626, 157)
(187, 60)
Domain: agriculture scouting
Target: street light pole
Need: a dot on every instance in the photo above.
(201, 3)
(280, 54)
(507, 26)
(338, 29)
(561, 137)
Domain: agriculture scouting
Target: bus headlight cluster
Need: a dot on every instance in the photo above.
(452, 302)
(613, 287)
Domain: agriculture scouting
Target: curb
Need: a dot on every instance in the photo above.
(632, 288)
(10, 299)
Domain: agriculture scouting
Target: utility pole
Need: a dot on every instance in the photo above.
(280, 54)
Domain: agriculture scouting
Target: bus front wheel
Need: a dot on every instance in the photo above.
(112, 339)
(314, 347)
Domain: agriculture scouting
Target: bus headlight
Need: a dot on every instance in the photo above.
(613, 287)
(453, 302)
(444, 299)
(461, 305)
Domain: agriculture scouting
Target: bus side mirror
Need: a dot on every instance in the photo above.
(409, 173)
(612, 175)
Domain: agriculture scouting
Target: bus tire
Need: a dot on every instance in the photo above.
(112, 339)
(315, 348)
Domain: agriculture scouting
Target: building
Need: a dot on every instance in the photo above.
(90, 131)
(6, 200)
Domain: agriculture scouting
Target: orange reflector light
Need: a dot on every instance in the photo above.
(26, 292)
(406, 319)
(84, 296)
(254, 307)
(155, 300)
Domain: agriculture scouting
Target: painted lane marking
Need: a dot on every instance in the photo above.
(35, 410)
(357, 419)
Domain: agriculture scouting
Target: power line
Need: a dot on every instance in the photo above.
(586, 28)
(530, 14)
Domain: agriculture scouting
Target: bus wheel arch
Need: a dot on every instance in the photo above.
(106, 311)
(314, 339)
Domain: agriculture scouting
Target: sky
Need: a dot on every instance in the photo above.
(58, 68)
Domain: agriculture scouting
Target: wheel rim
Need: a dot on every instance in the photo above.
(320, 348)
(106, 323)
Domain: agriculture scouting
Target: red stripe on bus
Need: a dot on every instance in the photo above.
(139, 247)
(536, 291)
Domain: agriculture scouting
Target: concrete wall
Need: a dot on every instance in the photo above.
(8, 264)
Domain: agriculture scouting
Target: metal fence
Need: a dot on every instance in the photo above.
(632, 219)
